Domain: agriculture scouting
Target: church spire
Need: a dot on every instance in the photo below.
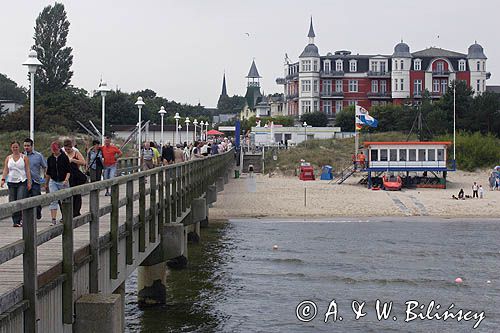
(311, 33)
(224, 90)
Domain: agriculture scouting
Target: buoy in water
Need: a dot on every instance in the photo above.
(275, 247)
(458, 280)
(488, 282)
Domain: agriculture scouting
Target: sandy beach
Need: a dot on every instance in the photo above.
(280, 196)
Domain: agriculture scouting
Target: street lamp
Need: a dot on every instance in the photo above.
(178, 129)
(201, 129)
(103, 88)
(187, 121)
(305, 132)
(139, 104)
(162, 113)
(177, 117)
(32, 64)
(195, 123)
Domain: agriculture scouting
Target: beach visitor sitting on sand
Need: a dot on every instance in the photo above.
(461, 194)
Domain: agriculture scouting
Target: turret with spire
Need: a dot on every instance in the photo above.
(253, 86)
(224, 90)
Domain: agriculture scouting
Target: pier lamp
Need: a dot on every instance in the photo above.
(187, 121)
(195, 123)
(162, 113)
(178, 129)
(103, 89)
(140, 103)
(305, 133)
(33, 63)
(177, 117)
(201, 130)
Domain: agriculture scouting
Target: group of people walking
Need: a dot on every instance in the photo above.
(25, 172)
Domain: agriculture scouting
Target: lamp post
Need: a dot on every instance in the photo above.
(162, 113)
(139, 104)
(32, 64)
(195, 123)
(187, 121)
(103, 88)
(201, 129)
(178, 129)
(305, 133)
(177, 117)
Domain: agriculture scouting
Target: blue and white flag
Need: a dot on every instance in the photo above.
(364, 117)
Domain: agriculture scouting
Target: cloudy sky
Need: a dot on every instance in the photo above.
(180, 49)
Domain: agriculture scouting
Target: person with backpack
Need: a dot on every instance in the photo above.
(95, 163)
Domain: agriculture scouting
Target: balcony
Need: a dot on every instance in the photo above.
(294, 76)
(440, 73)
(436, 94)
(417, 94)
(379, 95)
(332, 94)
(379, 74)
(332, 74)
(292, 96)
(280, 80)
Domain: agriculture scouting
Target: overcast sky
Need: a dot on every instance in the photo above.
(180, 49)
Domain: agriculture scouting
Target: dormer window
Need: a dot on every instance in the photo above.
(461, 65)
(306, 65)
(417, 65)
(326, 66)
(353, 65)
(395, 65)
(402, 64)
(339, 66)
(478, 66)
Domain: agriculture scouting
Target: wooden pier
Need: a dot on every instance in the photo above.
(45, 269)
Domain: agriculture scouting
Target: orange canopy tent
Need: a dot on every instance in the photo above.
(214, 132)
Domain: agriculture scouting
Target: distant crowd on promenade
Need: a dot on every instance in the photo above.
(26, 171)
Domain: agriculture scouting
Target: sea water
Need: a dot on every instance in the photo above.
(354, 275)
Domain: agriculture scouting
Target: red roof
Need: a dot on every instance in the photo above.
(214, 132)
(407, 143)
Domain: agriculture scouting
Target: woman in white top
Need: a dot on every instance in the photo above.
(17, 168)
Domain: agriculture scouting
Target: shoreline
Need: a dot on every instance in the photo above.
(280, 197)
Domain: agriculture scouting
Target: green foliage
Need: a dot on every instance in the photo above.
(51, 32)
(474, 150)
(228, 104)
(10, 91)
(315, 119)
(345, 119)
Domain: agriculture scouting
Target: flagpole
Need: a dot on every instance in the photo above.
(454, 122)
(356, 139)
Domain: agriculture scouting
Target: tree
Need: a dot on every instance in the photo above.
(51, 32)
(228, 104)
(315, 119)
(10, 91)
(345, 119)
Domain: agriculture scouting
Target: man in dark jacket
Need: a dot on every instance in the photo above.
(57, 175)
(167, 154)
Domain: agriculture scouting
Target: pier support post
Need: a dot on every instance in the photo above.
(226, 177)
(220, 184)
(99, 313)
(152, 284)
(199, 214)
(121, 291)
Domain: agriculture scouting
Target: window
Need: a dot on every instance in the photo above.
(327, 86)
(393, 154)
(435, 85)
(383, 155)
(339, 66)
(353, 85)
(402, 155)
(352, 66)
(306, 106)
(327, 107)
(316, 106)
(461, 65)
(374, 66)
(315, 65)
(306, 85)
(353, 102)
(444, 85)
(402, 85)
(478, 82)
(374, 155)
(374, 86)
(431, 155)
(417, 65)
(440, 155)
(315, 86)
(375, 103)
(402, 64)
(326, 66)
(417, 87)
(440, 67)
(412, 154)
(338, 106)
(306, 65)
(421, 154)
(478, 66)
(395, 64)
(383, 86)
(395, 84)
(338, 86)
(382, 67)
